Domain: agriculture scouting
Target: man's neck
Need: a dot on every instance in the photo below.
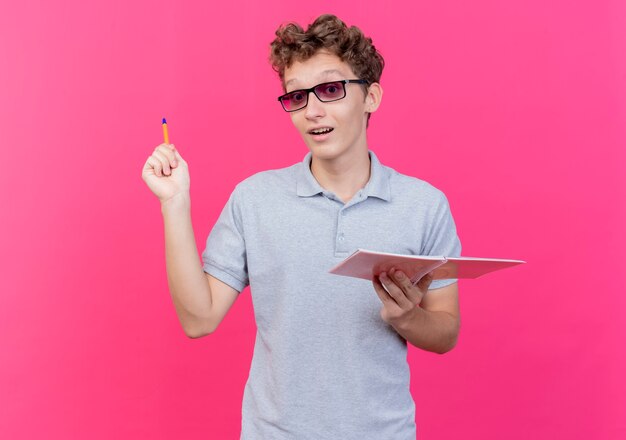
(345, 175)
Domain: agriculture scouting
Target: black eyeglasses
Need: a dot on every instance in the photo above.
(325, 92)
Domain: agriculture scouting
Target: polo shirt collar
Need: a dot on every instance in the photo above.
(377, 186)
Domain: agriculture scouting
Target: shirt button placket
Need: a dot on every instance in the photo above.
(341, 238)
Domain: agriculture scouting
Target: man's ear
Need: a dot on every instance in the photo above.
(373, 98)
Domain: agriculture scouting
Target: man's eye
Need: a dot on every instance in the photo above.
(331, 90)
(296, 97)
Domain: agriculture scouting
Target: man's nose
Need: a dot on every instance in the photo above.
(314, 107)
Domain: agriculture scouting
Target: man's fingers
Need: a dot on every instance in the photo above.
(395, 291)
(164, 159)
(407, 286)
(381, 292)
(153, 163)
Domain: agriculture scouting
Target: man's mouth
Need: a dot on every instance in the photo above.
(320, 131)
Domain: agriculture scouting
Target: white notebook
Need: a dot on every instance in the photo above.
(366, 264)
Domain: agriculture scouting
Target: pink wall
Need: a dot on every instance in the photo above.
(514, 109)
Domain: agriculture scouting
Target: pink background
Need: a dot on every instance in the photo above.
(514, 109)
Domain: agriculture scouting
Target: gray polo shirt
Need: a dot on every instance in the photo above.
(325, 364)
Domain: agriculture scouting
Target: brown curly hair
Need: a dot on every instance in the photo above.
(293, 43)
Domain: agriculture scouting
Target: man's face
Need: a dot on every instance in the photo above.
(346, 117)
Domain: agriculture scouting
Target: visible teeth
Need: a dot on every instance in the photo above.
(322, 131)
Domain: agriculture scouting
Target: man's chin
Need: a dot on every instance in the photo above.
(323, 151)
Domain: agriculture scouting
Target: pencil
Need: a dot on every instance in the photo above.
(166, 137)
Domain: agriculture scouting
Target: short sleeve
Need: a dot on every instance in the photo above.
(225, 254)
(442, 238)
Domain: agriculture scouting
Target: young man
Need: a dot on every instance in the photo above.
(330, 353)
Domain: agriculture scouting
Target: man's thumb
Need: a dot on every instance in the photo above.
(426, 280)
(177, 155)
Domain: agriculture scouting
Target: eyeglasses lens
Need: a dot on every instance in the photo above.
(294, 100)
(330, 91)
